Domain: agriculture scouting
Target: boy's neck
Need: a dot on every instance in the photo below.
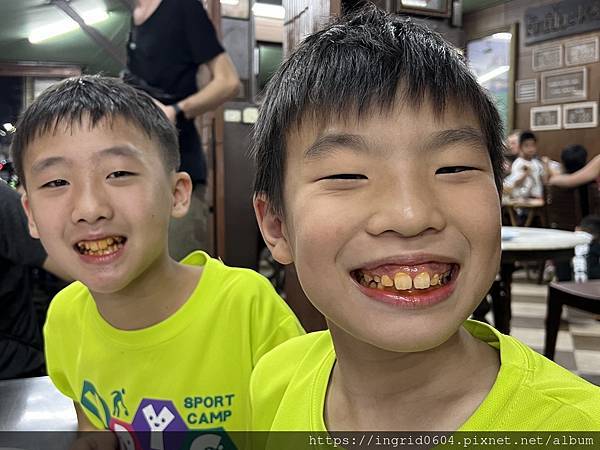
(153, 297)
(439, 389)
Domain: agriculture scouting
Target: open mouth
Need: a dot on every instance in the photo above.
(408, 280)
(101, 247)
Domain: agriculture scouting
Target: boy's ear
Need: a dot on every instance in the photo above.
(182, 194)
(273, 230)
(33, 231)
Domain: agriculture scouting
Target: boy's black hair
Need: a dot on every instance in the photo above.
(93, 98)
(591, 224)
(362, 61)
(525, 136)
(574, 157)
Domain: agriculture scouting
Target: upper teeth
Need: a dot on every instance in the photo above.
(102, 246)
(402, 281)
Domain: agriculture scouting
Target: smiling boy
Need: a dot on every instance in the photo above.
(379, 165)
(141, 342)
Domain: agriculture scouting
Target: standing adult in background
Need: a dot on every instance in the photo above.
(168, 42)
(21, 347)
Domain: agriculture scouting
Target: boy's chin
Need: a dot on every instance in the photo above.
(409, 338)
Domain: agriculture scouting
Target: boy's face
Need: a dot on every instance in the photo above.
(399, 199)
(529, 148)
(100, 200)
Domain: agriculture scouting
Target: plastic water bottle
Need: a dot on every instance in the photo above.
(580, 260)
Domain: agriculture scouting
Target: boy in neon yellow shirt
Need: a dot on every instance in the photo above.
(141, 342)
(379, 172)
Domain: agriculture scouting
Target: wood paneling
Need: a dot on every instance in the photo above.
(550, 143)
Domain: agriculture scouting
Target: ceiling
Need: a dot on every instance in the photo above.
(19, 17)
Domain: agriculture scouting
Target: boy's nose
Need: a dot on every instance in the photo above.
(90, 205)
(406, 207)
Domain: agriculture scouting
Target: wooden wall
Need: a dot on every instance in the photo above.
(550, 143)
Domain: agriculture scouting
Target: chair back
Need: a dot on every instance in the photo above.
(563, 208)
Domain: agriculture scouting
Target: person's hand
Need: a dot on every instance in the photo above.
(525, 169)
(168, 110)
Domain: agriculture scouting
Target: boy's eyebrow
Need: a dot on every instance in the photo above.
(119, 150)
(464, 135)
(332, 141)
(43, 164)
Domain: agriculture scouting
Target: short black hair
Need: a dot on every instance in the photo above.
(93, 98)
(591, 224)
(526, 136)
(361, 61)
(574, 157)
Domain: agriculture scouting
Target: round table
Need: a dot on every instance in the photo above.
(528, 244)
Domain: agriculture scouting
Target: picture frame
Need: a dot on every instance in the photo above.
(582, 51)
(526, 91)
(580, 115)
(564, 85)
(235, 9)
(547, 57)
(543, 118)
(437, 8)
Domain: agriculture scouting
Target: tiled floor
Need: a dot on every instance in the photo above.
(578, 344)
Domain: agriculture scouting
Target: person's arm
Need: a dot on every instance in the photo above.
(585, 175)
(224, 85)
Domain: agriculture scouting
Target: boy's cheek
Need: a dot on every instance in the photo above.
(33, 231)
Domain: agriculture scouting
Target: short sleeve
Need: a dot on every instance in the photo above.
(273, 321)
(200, 32)
(16, 245)
(55, 349)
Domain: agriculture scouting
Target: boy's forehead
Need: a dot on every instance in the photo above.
(314, 124)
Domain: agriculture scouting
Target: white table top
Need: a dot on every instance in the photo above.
(522, 239)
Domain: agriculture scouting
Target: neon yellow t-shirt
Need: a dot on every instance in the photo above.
(531, 393)
(188, 372)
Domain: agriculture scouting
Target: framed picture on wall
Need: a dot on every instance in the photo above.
(526, 91)
(564, 85)
(236, 9)
(439, 8)
(580, 115)
(547, 57)
(583, 51)
(545, 118)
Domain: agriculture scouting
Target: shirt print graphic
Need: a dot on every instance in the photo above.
(156, 423)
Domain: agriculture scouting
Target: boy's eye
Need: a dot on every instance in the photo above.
(120, 174)
(454, 169)
(55, 184)
(345, 176)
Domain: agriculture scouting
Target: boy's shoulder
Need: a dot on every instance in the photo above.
(285, 381)
(227, 277)
(69, 302)
(526, 382)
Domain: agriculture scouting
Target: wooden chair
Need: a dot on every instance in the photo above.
(563, 208)
(585, 296)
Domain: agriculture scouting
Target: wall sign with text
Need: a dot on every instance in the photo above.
(582, 51)
(526, 91)
(580, 115)
(545, 118)
(564, 85)
(560, 19)
(547, 57)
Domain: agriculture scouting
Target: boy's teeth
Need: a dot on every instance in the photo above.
(402, 281)
(421, 281)
(101, 246)
(386, 281)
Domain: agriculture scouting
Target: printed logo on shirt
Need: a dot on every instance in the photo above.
(158, 425)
